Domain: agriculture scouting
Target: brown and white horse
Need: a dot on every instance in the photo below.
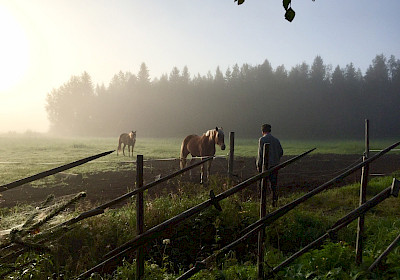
(202, 146)
(127, 139)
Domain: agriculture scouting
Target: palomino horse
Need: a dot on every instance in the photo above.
(202, 146)
(127, 139)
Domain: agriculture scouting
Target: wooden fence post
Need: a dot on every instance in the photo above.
(263, 212)
(231, 153)
(139, 216)
(363, 197)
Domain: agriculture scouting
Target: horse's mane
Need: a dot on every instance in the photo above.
(132, 134)
(213, 132)
(208, 132)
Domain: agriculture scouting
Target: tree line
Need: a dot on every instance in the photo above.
(308, 101)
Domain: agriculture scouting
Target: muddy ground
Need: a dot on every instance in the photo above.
(305, 174)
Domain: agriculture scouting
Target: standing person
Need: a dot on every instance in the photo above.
(275, 154)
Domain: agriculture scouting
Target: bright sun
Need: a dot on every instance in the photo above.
(14, 50)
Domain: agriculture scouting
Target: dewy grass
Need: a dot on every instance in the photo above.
(22, 157)
(81, 247)
(12, 217)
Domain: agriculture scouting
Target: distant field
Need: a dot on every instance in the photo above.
(22, 156)
(248, 147)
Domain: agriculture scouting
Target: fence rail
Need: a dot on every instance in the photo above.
(50, 172)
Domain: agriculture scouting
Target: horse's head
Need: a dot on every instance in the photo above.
(218, 135)
(132, 134)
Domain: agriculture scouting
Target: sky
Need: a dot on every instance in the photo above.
(43, 43)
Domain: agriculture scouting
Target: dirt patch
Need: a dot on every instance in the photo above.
(305, 174)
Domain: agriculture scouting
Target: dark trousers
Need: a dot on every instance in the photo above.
(273, 184)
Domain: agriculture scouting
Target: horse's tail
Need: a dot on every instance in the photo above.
(119, 145)
(185, 151)
(182, 160)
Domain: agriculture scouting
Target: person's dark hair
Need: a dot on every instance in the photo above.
(266, 128)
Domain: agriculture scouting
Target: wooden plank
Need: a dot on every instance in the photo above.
(50, 172)
(363, 197)
(139, 217)
(263, 212)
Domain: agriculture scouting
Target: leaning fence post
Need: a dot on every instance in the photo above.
(139, 216)
(363, 197)
(263, 212)
(231, 152)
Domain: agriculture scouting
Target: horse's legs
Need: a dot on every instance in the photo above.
(205, 171)
(129, 150)
(123, 149)
(190, 171)
(183, 163)
(202, 169)
(209, 168)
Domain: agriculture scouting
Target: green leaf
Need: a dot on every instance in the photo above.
(290, 14)
(286, 4)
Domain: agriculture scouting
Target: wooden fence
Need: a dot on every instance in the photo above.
(16, 236)
(265, 219)
(154, 232)
(271, 217)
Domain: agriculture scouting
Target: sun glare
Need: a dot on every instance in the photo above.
(14, 50)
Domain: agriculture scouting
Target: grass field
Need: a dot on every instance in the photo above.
(22, 155)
